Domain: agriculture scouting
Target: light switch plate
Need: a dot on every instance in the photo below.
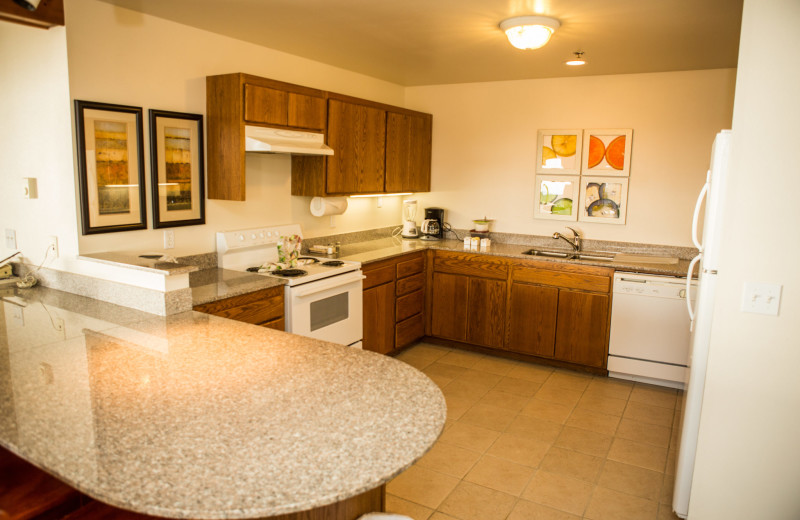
(761, 298)
(11, 239)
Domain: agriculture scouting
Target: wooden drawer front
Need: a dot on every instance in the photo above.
(410, 284)
(585, 282)
(472, 265)
(378, 276)
(279, 324)
(307, 111)
(266, 105)
(409, 267)
(409, 305)
(409, 331)
(256, 312)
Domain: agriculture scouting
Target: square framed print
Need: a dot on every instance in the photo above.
(110, 167)
(607, 152)
(176, 169)
(603, 199)
(557, 197)
(559, 151)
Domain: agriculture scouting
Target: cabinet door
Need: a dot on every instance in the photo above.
(265, 105)
(357, 134)
(449, 314)
(487, 311)
(379, 318)
(582, 328)
(408, 152)
(306, 111)
(532, 313)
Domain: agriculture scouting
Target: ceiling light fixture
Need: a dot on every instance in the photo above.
(529, 32)
(577, 60)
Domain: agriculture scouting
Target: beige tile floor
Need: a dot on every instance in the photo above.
(528, 442)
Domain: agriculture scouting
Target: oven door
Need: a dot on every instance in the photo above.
(329, 309)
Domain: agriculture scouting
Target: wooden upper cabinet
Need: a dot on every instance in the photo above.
(408, 152)
(357, 134)
(236, 100)
(50, 13)
(266, 105)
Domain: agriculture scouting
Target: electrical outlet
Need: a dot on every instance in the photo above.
(52, 245)
(761, 298)
(11, 239)
(169, 239)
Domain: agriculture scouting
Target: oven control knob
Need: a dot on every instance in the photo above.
(269, 233)
(261, 235)
(253, 236)
(241, 238)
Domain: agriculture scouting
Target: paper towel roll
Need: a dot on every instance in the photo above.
(321, 206)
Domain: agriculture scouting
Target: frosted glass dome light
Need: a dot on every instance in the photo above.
(529, 32)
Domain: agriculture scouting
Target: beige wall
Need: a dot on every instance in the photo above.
(748, 460)
(35, 142)
(484, 149)
(120, 56)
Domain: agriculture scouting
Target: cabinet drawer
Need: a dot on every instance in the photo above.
(307, 111)
(469, 264)
(378, 276)
(410, 284)
(409, 267)
(409, 305)
(279, 324)
(408, 331)
(256, 308)
(585, 282)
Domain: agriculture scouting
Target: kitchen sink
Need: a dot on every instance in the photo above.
(569, 255)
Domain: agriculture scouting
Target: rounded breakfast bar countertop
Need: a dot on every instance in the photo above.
(196, 416)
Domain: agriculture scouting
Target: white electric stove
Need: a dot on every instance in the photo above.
(322, 297)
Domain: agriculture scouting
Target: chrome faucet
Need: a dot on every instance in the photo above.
(575, 242)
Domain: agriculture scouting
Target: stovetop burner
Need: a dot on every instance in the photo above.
(333, 263)
(289, 273)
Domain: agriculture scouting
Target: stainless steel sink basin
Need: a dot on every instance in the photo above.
(569, 255)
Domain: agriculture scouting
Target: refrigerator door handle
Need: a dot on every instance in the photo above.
(694, 262)
(696, 215)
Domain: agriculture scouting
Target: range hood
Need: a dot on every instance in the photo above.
(274, 140)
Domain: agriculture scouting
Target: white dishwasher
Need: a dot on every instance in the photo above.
(649, 338)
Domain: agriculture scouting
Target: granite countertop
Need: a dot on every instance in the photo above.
(142, 261)
(209, 285)
(196, 416)
(375, 250)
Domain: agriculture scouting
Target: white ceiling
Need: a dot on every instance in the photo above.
(426, 42)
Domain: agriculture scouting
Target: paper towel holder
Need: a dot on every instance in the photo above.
(323, 206)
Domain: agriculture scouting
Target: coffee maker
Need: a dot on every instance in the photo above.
(433, 225)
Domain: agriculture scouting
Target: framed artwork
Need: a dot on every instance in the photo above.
(556, 197)
(176, 169)
(559, 151)
(110, 167)
(603, 199)
(607, 152)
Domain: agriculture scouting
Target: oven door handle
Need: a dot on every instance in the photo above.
(336, 281)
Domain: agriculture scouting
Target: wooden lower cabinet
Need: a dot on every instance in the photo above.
(532, 312)
(449, 306)
(558, 312)
(379, 318)
(264, 308)
(486, 312)
(394, 302)
(582, 328)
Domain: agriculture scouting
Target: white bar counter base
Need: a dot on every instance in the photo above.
(196, 416)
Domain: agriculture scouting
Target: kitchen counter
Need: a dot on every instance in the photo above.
(156, 263)
(195, 416)
(375, 250)
(209, 285)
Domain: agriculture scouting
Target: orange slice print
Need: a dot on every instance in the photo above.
(596, 151)
(615, 153)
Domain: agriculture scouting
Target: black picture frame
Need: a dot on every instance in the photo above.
(111, 177)
(185, 198)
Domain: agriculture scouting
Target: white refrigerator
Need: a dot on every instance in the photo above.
(701, 316)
